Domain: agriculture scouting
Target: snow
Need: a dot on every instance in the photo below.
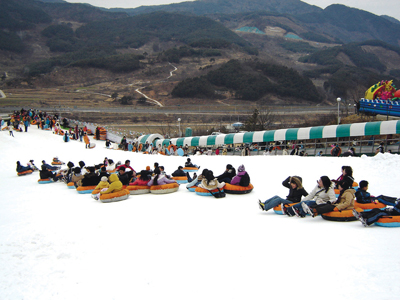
(58, 244)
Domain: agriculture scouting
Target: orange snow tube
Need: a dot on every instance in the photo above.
(164, 188)
(237, 189)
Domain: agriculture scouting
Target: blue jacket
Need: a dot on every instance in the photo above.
(363, 196)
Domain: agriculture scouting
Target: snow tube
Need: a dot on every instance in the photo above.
(138, 189)
(237, 189)
(85, 189)
(278, 209)
(180, 179)
(192, 188)
(24, 173)
(171, 146)
(203, 192)
(71, 185)
(341, 216)
(337, 192)
(164, 188)
(369, 206)
(190, 169)
(44, 181)
(388, 221)
(57, 163)
(91, 145)
(340, 151)
(114, 197)
(180, 152)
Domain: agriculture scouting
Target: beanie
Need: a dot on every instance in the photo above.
(241, 168)
(104, 178)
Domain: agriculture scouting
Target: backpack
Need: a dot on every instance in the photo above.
(244, 180)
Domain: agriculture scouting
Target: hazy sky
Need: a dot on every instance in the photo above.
(387, 7)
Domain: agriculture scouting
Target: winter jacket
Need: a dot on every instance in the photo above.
(124, 178)
(319, 195)
(102, 185)
(46, 174)
(140, 182)
(90, 179)
(86, 139)
(363, 196)
(227, 174)
(161, 180)
(294, 194)
(236, 179)
(179, 173)
(115, 185)
(76, 178)
(21, 168)
(346, 200)
(212, 185)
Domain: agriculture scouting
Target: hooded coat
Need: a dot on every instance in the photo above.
(294, 194)
(115, 184)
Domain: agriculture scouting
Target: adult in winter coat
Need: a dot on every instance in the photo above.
(322, 193)
(242, 178)
(159, 179)
(21, 168)
(296, 191)
(76, 176)
(90, 178)
(46, 174)
(196, 180)
(143, 179)
(179, 172)
(344, 202)
(227, 176)
(115, 185)
(189, 164)
(210, 182)
(347, 174)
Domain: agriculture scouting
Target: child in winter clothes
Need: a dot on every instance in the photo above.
(103, 184)
(242, 178)
(296, 191)
(362, 196)
(322, 193)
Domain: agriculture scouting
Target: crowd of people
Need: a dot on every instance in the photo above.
(322, 199)
(109, 172)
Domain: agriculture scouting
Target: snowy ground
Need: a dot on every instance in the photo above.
(58, 244)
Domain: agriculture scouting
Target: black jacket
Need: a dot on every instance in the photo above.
(179, 173)
(294, 194)
(90, 179)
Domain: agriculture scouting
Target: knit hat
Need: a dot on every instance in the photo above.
(104, 178)
(241, 168)
(229, 166)
(148, 168)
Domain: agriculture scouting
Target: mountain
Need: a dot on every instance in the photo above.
(47, 44)
(205, 7)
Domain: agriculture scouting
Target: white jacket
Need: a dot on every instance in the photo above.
(320, 196)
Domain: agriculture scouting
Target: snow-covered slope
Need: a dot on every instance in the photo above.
(58, 244)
